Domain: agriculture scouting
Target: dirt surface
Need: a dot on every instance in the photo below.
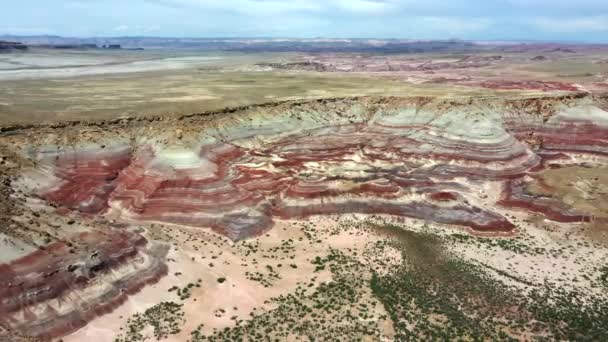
(56, 86)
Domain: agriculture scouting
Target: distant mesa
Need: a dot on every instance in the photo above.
(80, 46)
(561, 49)
(111, 46)
(68, 46)
(314, 45)
(10, 46)
(7, 46)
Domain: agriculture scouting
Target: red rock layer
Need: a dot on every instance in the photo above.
(569, 136)
(59, 288)
(464, 215)
(333, 170)
(560, 142)
(408, 164)
(516, 195)
(87, 179)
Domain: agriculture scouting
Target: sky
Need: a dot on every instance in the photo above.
(546, 20)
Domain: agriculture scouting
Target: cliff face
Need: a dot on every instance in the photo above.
(459, 162)
(420, 158)
(59, 288)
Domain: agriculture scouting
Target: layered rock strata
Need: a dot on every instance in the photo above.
(238, 173)
(59, 288)
(459, 162)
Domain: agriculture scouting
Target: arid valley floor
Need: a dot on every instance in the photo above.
(184, 195)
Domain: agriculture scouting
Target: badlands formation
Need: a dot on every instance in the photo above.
(138, 227)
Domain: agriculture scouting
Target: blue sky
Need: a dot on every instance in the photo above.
(557, 20)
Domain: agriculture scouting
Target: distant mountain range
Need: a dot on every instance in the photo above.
(297, 45)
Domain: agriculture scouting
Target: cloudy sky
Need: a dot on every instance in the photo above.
(558, 20)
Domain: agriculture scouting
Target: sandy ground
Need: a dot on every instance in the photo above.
(200, 254)
(194, 249)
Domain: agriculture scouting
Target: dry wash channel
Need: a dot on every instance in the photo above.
(77, 197)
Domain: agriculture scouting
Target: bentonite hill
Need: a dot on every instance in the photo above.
(318, 195)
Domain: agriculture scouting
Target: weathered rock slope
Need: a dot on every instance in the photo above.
(458, 162)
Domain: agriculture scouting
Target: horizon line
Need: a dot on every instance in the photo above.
(511, 40)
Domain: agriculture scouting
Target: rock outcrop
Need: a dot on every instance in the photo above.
(59, 288)
(459, 162)
(239, 172)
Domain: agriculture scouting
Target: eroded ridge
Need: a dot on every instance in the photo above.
(420, 158)
(461, 162)
(57, 289)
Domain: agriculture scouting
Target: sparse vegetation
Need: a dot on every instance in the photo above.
(339, 310)
(185, 292)
(508, 244)
(165, 319)
(438, 296)
(604, 276)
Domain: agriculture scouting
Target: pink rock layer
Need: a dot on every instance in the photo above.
(408, 162)
(58, 289)
(395, 164)
(569, 136)
(333, 170)
(517, 195)
(556, 143)
(87, 180)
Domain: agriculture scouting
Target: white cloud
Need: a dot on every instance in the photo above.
(364, 6)
(251, 7)
(121, 28)
(453, 26)
(427, 19)
(271, 7)
(135, 29)
(550, 24)
(560, 4)
(26, 30)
